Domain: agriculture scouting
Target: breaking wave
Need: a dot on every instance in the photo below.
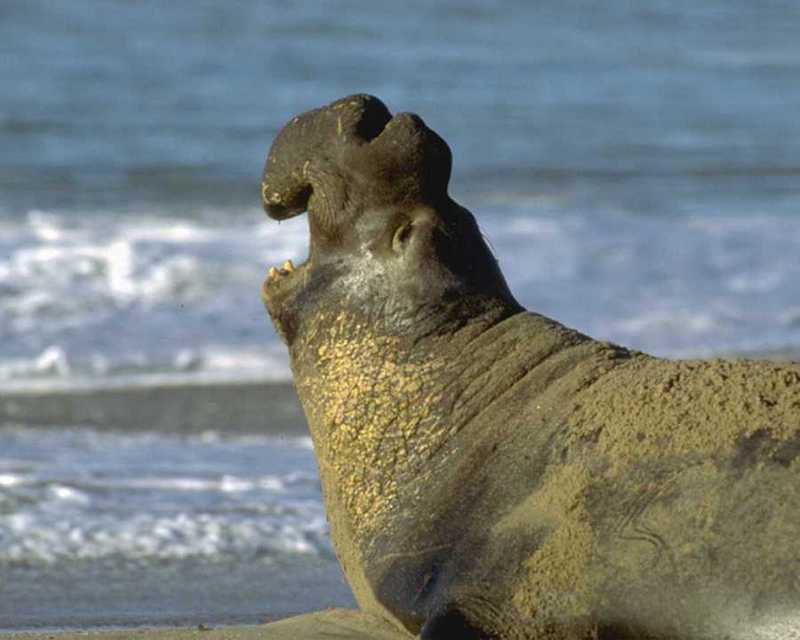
(98, 297)
(122, 498)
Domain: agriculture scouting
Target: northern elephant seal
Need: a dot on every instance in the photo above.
(488, 472)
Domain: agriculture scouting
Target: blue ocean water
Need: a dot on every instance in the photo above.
(647, 158)
(105, 528)
(635, 166)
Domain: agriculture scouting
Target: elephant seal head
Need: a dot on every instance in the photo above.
(397, 280)
(386, 238)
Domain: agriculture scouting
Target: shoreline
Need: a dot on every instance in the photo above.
(191, 406)
(234, 632)
(265, 407)
(335, 622)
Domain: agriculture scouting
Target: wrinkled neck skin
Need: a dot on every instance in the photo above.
(373, 401)
(382, 405)
(387, 372)
(372, 371)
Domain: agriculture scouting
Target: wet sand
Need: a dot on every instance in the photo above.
(333, 623)
(260, 406)
(223, 633)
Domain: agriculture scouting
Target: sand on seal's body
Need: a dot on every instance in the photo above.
(488, 472)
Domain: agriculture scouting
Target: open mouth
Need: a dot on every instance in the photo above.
(274, 272)
(336, 162)
(281, 279)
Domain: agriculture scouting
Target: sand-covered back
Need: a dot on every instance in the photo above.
(651, 407)
(677, 477)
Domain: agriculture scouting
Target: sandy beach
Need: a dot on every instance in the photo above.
(340, 623)
(224, 633)
(238, 407)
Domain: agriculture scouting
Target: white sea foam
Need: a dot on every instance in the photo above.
(97, 297)
(51, 370)
(149, 537)
(81, 494)
(673, 285)
(9, 480)
(97, 300)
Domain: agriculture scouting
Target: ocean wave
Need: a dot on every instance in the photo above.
(82, 494)
(54, 369)
(680, 285)
(104, 299)
(148, 537)
(99, 296)
(68, 272)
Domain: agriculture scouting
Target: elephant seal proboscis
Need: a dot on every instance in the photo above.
(488, 472)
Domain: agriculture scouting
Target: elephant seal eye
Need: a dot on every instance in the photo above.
(402, 236)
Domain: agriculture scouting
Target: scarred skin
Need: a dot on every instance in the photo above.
(488, 472)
